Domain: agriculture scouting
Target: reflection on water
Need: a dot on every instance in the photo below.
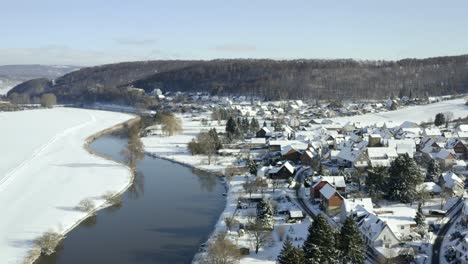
(164, 216)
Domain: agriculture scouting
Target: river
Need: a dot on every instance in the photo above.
(164, 217)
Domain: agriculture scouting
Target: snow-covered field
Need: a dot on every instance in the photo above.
(415, 114)
(45, 172)
(175, 147)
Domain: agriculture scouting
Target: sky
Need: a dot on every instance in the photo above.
(93, 32)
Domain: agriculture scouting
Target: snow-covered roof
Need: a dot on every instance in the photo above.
(327, 191)
(432, 131)
(350, 204)
(430, 187)
(337, 181)
(296, 214)
(381, 153)
(451, 179)
(349, 154)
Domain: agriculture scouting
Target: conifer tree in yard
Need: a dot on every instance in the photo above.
(264, 124)
(254, 126)
(290, 254)
(404, 177)
(419, 218)
(265, 214)
(352, 247)
(319, 246)
(231, 125)
(245, 125)
(433, 171)
(439, 119)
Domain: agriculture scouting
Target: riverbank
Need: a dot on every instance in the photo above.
(49, 170)
(88, 141)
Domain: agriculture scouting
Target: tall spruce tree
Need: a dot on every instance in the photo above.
(265, 214)
(420, 218)
(439, 119)
(319, 246)
(433, 171)
(404, 177)
(245, 125)
(254, 126)
(290, 254)
(352, 247)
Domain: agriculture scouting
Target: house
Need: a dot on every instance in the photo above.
(464, 216)
(338, 182)
(350, 205)
(452, 183)
(460, 149)
(264, 132)
(295, 216)
(330, 199)
(446, 158)
(284, 172)
(291, 154)
(309, 157)
(352, 158)
(403, 146)
(381, 157)
(375, 140)
(376, 233)
(461, 249)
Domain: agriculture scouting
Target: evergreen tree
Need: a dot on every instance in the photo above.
(319, 246)
(376, 182)
(277, 125)
(404, 177)
(419, 218)
(231, 126)
(352, 247)
(433, 171)
(420, 221)
(245, 125)
(290, 254)
(265, 214)
(254, 126)
(439, 119)
(264, 124)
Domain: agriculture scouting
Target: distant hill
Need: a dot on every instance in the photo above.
(269, 79)
(12, 75)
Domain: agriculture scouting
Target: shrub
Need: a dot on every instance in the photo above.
(47, 242)
(86, 205)
(112, 198)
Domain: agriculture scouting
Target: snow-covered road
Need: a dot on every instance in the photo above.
(45, 172)
(415, 114)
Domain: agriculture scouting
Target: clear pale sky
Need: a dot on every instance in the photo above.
(90, 32)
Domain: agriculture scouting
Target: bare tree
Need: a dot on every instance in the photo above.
(134, 150)
(48, 100)
(230, 222)
(259, 236)
(221, 251)
(171, 124)
(250, 187)
(86, 205)
(48, 242)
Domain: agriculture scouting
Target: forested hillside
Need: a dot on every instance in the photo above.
(269, 79)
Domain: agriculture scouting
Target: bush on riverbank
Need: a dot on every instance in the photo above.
(47, 243)
(112, 198)
(86, 205)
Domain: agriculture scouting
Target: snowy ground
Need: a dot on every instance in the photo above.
(416, 114)
(175, 147)
(45, 172)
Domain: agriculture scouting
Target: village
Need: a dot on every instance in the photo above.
(297, 161)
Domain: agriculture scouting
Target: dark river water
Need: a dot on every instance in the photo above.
(164, 217)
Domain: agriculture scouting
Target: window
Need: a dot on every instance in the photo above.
(402, 227)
